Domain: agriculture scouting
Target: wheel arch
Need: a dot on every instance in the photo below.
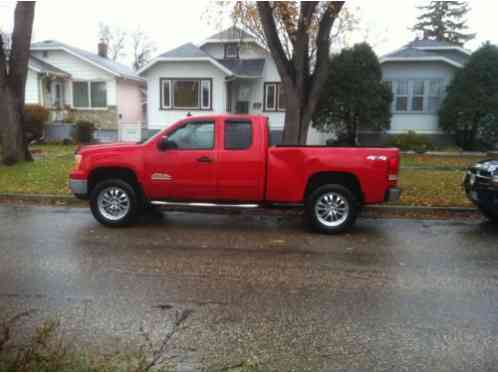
(345, 179)
(99, 174)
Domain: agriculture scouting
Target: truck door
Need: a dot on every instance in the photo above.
(241, 165)
(186, 170)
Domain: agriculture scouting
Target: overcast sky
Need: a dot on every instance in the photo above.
(172, 23)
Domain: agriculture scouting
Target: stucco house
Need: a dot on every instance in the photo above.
(78, 85)
(229, 72)
(419, 74)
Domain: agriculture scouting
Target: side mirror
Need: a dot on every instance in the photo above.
(165, 144)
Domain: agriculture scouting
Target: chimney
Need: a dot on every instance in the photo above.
(102, 49)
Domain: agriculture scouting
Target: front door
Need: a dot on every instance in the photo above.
(186, 171)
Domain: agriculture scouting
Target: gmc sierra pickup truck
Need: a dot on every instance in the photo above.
(226, 160)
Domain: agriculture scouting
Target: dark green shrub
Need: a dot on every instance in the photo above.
(35, 118)
(411, 141)
(83, 132)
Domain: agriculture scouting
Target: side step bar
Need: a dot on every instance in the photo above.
(207, 205)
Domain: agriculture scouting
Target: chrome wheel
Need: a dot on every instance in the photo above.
(332, 209)
(113, 203)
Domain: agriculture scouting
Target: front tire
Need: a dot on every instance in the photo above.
(114, 203)
(331, 209)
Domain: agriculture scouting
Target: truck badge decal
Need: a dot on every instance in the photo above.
(161, 177)
(377, 158)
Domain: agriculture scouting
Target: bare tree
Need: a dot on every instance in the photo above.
(299, 36)
(115, 38)
(13, 74)
(143, 48)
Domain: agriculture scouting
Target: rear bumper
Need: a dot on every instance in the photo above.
(393, 195)
(78, 187)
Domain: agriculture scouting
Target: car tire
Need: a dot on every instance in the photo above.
(491, 215)
(114, 203)
(331, 209)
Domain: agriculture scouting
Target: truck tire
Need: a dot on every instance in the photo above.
(331, 209)
(114, 203)
(490, 214)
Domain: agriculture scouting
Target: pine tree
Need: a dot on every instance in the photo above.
(444, 21)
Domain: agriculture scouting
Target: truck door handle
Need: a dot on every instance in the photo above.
(204, 159)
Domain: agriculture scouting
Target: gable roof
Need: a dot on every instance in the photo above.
(114, 68)
(232, 33)
(429, 50)
(186, 52)
(43, 67)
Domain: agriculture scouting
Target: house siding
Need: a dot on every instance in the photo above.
(423, 123)
(32, 88)
(158, 118)
(247, 51)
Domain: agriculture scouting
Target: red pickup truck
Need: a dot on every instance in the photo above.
(227, 160)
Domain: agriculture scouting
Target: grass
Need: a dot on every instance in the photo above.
(48, 175)
(437, 183)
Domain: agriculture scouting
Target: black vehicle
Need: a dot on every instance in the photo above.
(481, 186)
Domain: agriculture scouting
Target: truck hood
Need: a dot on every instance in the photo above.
(91, 149)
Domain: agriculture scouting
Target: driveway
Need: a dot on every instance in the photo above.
(392, 295)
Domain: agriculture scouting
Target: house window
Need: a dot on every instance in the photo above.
(274, 97)
(186, 94)
(401, 95)
(435, 93)
(231, 50)
(418, 94)
(89, 95)
(194, 136)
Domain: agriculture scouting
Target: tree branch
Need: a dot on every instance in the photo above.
(284, 67)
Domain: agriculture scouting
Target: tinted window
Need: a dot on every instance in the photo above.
(196, 135)
(238, 135)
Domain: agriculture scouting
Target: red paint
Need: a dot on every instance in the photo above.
(257, 174)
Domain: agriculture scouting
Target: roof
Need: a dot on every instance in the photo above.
(429, 50)
(188, 50)
(231, 33)
(251, 68)
(44, 67)
(115, 68)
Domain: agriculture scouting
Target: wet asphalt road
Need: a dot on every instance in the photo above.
(392, 295)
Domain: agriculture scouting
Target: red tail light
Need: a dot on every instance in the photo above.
(393, 171)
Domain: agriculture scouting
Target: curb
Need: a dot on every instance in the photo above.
(52, 199)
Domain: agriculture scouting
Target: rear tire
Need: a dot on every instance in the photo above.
(491, 215)
(331, 209)
(114, 203)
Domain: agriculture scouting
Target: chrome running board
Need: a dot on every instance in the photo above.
(200, 204)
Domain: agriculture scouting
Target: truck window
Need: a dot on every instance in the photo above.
(238, 135)
(194, 135)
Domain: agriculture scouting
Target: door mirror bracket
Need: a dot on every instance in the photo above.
(165, 144)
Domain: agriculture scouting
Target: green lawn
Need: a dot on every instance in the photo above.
(48, 175)
(439, 186)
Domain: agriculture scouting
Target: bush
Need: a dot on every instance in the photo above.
(83, 132)
(411, 141)
(35, 118)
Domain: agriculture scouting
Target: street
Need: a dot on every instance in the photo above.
(390, 295)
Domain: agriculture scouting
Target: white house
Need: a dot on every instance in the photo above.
(230, 72)
(78, 85)
(419, 74)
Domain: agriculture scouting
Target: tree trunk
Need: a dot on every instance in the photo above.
(13, 75)
(302, 88)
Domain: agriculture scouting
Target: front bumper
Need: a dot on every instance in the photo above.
(393, 195)
(78, 187)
